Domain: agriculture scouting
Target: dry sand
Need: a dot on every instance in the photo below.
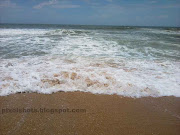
(105, 115)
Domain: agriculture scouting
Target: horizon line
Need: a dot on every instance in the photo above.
(92, 25)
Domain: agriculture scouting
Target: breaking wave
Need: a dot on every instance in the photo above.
(128, 62)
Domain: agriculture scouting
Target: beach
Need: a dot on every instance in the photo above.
(88, 79)
(89, 67)
(102, 115)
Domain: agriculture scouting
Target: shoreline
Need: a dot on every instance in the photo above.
(104, 114)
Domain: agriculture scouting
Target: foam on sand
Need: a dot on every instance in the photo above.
(103, 76)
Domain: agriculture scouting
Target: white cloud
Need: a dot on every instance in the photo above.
(66, 6)
(152, 2)
(48, 3)
(55, 4)
(7, 3)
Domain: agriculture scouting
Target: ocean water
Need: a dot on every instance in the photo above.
(128, 61)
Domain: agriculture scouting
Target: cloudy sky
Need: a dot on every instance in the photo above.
(92, 12)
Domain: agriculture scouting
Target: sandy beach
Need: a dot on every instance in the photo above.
(102, 115)
(89, 67)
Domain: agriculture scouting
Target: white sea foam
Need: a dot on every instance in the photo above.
(107, 76)
(161, 31)
(128, 63)
(22, 31)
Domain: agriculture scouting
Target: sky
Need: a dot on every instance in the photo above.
(92, 12)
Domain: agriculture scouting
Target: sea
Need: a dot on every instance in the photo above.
(124, 60)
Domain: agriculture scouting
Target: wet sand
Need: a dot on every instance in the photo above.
(105, 115)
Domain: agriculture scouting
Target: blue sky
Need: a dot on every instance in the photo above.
(92, 12)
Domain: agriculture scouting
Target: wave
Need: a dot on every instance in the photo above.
(133, 62)
(11, 32)
(162, 31)
(132, 78)
(68, 32)
(24, 42)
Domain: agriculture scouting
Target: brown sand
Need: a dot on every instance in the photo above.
(105, 115)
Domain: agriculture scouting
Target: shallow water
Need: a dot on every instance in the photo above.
(128, 61)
